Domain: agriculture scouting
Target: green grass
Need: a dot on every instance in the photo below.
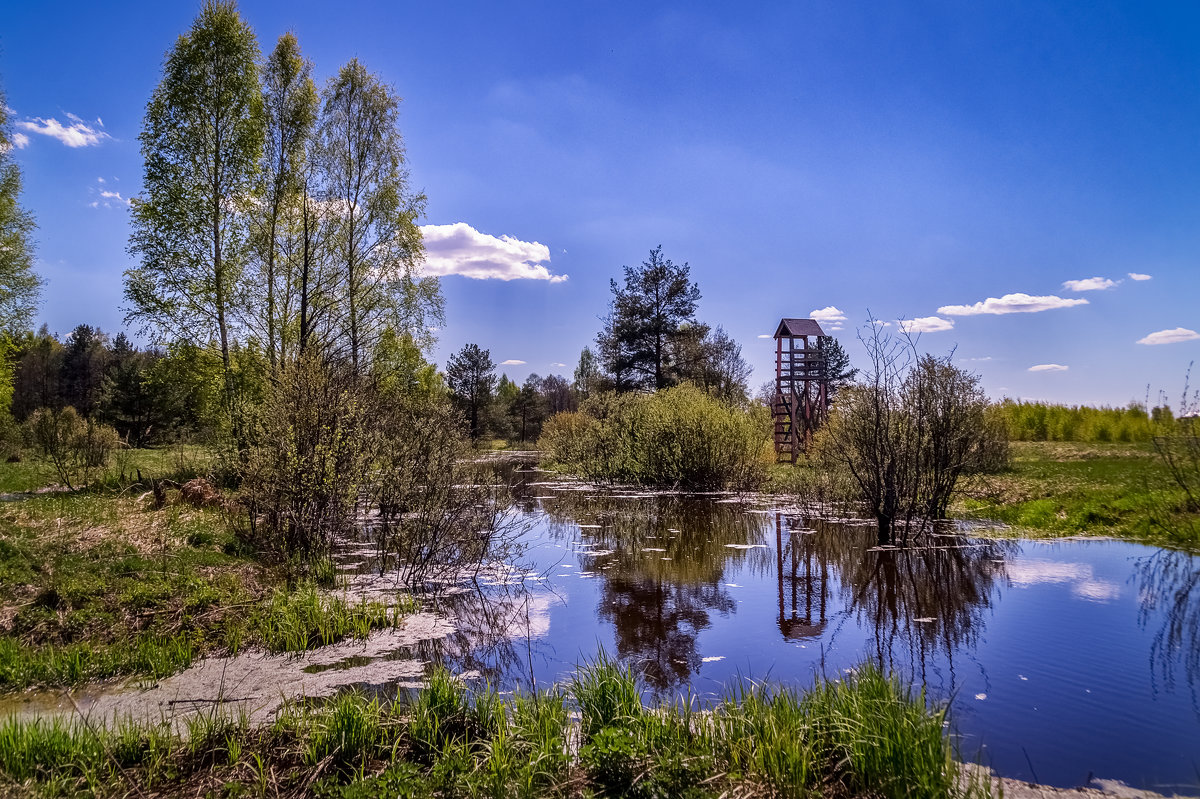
(178, 462)
(1050, 489)
(98, 584)
(306, 618)
(866, 735)
(1060, 488)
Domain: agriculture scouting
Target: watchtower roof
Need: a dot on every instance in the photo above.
(798, 327)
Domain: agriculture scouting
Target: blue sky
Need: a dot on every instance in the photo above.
(918, 161)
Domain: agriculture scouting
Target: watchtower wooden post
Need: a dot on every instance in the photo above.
(801, 386)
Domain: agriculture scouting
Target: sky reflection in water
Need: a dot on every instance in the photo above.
(1061, 659)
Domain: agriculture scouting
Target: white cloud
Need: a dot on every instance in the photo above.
(1089, 284)
(20, 141)
(1049, 367)
(460, 249)
(1138, 276)
(925, 324)
(1011, 303)
(78, 134)
(108, 199)
(1173, 336)
(828, 314)
(512, 362)
(559, 365)
(765, 335)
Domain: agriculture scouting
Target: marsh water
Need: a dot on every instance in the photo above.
(1061, 661)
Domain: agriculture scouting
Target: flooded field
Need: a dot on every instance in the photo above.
(1063, 661)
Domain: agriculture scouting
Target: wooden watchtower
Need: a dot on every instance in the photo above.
(801, 385)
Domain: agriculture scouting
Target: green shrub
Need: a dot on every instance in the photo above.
(680, 436)
(74, 445)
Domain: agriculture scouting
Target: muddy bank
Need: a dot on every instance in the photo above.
(1097, 789)
(254, 684)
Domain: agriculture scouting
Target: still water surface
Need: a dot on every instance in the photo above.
(1060, 660)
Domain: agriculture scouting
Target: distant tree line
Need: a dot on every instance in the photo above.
(651, 340)
(1042, 421)
(148, 395)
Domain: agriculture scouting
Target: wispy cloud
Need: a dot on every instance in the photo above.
(1011, 303)
(1172, 336)
(1049, 367)
(78, 133)
(1138, 276)
(765, 335)
(557, 364)
(512, 362)
(20, 141)
(1089, 284)
(107, 198)
(460, 249)
(925, 324)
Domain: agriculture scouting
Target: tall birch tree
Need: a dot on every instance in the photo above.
(19, 284)
(202, 140)
(290, 104)
(377, 247)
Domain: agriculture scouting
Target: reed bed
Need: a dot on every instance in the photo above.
(865, 734)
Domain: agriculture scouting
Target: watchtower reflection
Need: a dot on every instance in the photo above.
(803, 574)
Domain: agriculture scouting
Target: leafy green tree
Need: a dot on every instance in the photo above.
(290, 105)
(377, 246)
(188, 384)
(126, 401)
(648, 315)
(587, 373)
(399, 368)
(839, 373)
(528, 409)
(85, 357)
(20, 286)
(507, 393)
(471, 376)
(202, 141)
(38, 378)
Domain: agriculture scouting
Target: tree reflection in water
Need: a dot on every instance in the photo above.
(1169, 587)
(916, 602)
(662, 560)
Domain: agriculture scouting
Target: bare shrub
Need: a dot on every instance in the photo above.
(441, 515)
(1178, 443)
(307, 463)
(907, 434)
